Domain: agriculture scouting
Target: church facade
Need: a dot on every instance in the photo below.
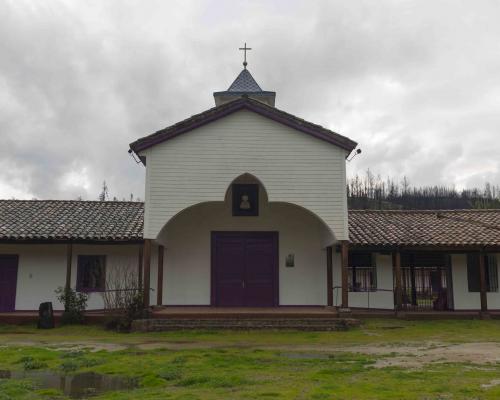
(246, 206)
(236, 191)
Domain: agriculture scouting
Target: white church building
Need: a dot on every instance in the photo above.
(246, 206)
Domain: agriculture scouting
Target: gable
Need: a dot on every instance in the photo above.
(199, 167)
(243, 103)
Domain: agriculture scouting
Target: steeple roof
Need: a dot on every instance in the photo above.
(244, 85)
(244, 82)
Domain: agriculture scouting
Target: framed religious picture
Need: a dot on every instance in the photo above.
(245, 200)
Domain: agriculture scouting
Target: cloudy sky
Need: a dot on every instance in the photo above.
(416, 83)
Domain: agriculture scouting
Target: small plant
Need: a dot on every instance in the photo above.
(170, 375)
(90, 362)
(75, 304)
(72, 354)
(69, 366)
(29, 363)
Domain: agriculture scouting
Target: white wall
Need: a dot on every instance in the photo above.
(462, 298)
(199, 166)
(378, 300)
(42, 269)
(117, 256)
(188, 247)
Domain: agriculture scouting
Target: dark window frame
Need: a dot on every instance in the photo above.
(248, 189)
(83, 262)
(366, 268)
(491, 269)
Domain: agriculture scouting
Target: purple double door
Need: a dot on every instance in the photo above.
(8, 282)
(245, 269)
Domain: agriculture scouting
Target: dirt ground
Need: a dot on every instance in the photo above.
(408, 356)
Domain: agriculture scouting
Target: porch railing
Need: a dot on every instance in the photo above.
(369, 294)
(418, 298)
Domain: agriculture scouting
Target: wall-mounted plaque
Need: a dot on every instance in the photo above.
(245, 200)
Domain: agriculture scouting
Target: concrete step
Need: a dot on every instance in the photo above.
(306, 324)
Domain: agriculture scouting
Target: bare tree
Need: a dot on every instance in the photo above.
(371, 192)
(104, 195)
(121, 289)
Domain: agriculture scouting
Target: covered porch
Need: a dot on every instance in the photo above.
(211, 254)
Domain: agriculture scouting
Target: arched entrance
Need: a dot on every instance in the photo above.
(214, 256)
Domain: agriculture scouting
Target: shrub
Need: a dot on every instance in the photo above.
(123, 298)
(75, 304)
(133, 308)
(170, 375)
(30, 364)
(69, 366)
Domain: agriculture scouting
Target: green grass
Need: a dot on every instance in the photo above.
(372, 331)
(254, 365)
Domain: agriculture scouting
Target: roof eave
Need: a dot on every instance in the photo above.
(244, 103)
(256, 93)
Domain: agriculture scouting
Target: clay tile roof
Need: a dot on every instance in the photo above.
(425, 228)
(215, 113)
(122, 221)
(62, 220)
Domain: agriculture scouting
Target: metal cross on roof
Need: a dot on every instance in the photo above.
(245, 50)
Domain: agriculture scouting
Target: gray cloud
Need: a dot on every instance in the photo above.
(415, 83)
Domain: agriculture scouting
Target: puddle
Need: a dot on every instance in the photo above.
(389, 327)
(75, 386)
(305, 356)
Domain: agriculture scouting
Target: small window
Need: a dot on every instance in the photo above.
(490, 264)
(91, 274)
(362, 273)
(245, 200)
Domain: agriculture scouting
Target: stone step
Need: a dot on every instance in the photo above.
(309, 324)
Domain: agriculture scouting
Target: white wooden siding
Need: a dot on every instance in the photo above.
(198, 166)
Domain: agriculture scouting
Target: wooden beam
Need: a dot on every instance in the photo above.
(139, 266)
(159, 291)
(147, 270)
(69, 259)
(398, 290)
(344, 250)
(329, 276)
(416, 249)
(482, 283)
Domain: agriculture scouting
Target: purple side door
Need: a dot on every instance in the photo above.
(245, 269)
(8, 282)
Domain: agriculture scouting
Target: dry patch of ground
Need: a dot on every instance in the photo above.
(417, 356)
(413, 355)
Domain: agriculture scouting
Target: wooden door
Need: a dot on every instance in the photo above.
(245, 269)
(8, 282)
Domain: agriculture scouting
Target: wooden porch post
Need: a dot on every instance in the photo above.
(344, 250)
(147, 270)
(329, 276)
(139, 266)
(159, 291)
(482, 283)
(396, 257)
(69, 258)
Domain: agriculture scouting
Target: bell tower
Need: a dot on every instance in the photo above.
(245, 84)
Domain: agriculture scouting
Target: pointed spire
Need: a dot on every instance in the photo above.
(244, 82)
